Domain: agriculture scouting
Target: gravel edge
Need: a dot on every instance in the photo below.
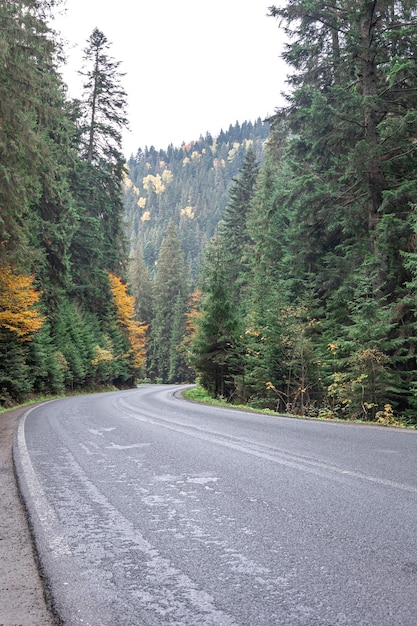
(22, 599)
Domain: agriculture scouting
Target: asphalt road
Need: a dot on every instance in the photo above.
(150, 510)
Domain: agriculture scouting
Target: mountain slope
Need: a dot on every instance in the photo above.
(187, 186)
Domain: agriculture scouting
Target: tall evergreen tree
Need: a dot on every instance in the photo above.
(103, 105)
(216, 351)
(98, 176)
(234, 227)
(169, 303)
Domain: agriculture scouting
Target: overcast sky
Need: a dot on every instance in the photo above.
(191, 66)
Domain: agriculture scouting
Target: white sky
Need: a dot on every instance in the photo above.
(191, 66)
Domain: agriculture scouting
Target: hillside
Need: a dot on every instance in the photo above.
(187, 186)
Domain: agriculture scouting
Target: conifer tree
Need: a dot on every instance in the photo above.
(169, 301)
(178, 368)
(234, 227)
(216, 351)
(98, 176)
(75, 349)
(103, 105)
(352, 130)
(140, 283)
(45, 363)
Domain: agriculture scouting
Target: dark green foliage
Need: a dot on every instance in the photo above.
(178, 368)
(103, 107)
(46, 363)
(140, 282)
(166, 363)
(15, 374)
(97, 178)
(75, 352)
(216, 351)
(233, 228)
(37, 213)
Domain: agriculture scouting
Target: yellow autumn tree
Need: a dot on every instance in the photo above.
(193, 314)
(125, 312)
(191, 320)
(18, 298)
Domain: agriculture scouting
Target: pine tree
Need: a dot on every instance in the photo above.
(365, 379)
(45, 363)
(75, 351)
(178, 368)
(351, 118)
(15, 376)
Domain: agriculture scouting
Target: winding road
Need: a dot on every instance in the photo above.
(151, 510)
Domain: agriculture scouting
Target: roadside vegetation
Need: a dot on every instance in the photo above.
(199, 394)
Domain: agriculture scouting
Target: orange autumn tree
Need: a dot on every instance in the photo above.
(125, 312)
(18, 298)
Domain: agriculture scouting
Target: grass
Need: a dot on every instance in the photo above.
(35, 400)
(198, 394)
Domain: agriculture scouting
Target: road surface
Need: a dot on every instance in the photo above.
(150, 510)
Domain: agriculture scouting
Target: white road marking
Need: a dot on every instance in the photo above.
(268, 453)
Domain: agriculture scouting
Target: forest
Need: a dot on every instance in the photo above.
(67, 321)
(274, 264)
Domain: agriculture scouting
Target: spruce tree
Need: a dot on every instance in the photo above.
(234, 228)
(98, 176)
(103, 105)
(216, 350)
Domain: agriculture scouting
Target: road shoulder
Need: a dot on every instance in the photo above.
(21, 593)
